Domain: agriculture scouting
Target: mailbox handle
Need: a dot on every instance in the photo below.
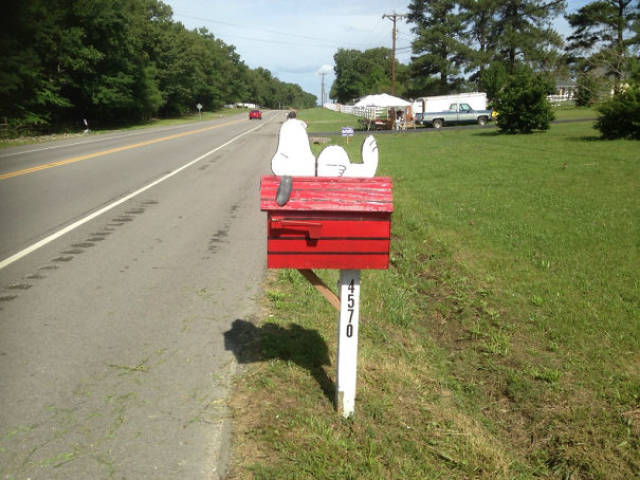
(312, 229)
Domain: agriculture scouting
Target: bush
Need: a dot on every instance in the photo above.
(620, 116)
(522, 105)
(587, 90)
(493, 79)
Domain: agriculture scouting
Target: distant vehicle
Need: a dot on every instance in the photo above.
(255, 114)
(458, 108)
(456, 113)
(438, 103)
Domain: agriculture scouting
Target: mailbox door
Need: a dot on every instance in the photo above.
(328, 240)
(329, 222)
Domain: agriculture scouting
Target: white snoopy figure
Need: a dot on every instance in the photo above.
(293, 156)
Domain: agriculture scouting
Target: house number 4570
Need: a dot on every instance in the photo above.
(351, 302)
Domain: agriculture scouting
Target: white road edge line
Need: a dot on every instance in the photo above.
(54, 236)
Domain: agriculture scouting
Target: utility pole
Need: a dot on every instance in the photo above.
(322, 74)
(394, 18)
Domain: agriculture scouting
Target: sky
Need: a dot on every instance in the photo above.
(296, 39)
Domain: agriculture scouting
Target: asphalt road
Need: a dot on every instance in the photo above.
(123, 260)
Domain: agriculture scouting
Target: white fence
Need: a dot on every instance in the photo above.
(365, 112)
(559, 99)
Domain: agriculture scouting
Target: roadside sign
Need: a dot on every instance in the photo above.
(347, 132)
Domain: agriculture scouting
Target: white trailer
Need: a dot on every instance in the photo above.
(441, 103)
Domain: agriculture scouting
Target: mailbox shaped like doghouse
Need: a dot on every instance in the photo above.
(329, 222)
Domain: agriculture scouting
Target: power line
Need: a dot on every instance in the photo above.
(276, 32)
(394, 18)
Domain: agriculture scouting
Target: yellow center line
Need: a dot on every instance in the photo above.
(67, 161)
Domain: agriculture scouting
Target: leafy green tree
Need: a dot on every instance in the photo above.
(523, 104)
(361, 73)
(619, 117)
(349, 83)
(31, 75)
(118, 61)
(604, 31)
(441, 47)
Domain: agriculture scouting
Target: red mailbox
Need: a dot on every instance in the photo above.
(329, 222)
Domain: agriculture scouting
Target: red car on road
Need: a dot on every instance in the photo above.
(255, 114)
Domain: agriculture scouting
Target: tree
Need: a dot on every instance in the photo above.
(31, 76)
(361, 73)
(440, 48)
(524, 34)
(493, 79)
(349, 83)
(587, 90)
(523, 103)
(603, 33)
(620, 116)
(118, 61)
(479, 17)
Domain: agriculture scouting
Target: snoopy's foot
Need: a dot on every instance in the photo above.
(369, 163)
(370, 151)
(333, 161)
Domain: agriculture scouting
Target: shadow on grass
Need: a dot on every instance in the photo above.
(587, 138)
(304, 347)
(493, 133)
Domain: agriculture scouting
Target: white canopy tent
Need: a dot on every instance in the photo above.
(385, 111)
(382, 100)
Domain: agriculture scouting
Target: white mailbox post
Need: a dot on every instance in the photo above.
(349, 286)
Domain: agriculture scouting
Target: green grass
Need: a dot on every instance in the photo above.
(575, 113)
(502, 343)
(323, 120)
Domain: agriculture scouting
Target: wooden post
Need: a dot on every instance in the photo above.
(319, 285)
(349, 286)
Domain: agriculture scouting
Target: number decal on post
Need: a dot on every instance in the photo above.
(351, 301)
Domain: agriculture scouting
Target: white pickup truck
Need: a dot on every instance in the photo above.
(454, 108)
(456, 113)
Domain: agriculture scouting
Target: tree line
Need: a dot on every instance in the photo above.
(115, 62)
(462, 45)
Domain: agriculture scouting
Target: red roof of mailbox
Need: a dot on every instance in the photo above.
(330, 194)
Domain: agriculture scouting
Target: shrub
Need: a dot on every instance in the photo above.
(587, 90)
(493, 79)
(522, 105)
(620, 116)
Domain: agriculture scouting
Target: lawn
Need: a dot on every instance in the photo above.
(503, 341)
(575, 113)
(326, 121)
